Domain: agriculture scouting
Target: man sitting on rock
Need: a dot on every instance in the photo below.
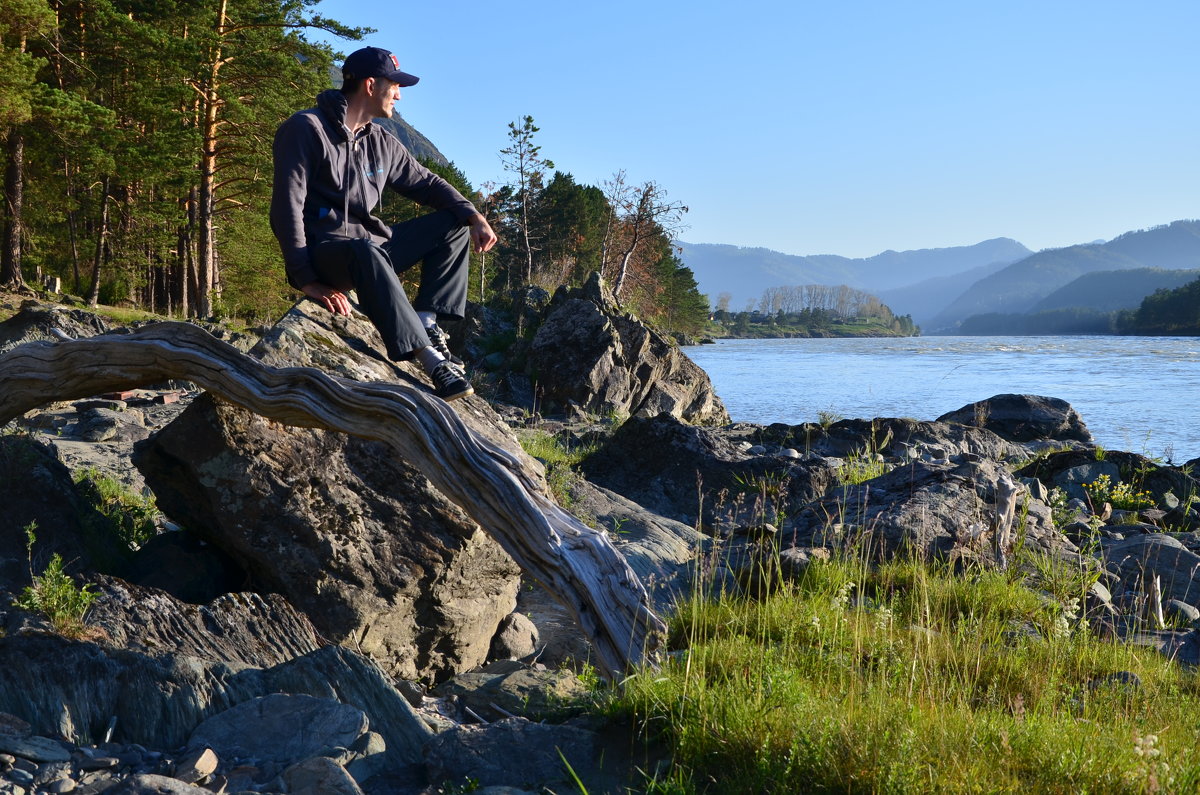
(331, 166)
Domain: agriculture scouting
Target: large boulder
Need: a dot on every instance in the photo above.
(589, 354)
(894, 438)
(1024, 418)
(696, 474)
(74, 689)
(934, 510)
(38, 494)
(357, 539)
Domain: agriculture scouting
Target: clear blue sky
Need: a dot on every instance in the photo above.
(827, 127)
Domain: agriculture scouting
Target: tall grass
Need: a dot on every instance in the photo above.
(910, 677)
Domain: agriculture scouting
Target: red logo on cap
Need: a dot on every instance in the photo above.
(395, 62)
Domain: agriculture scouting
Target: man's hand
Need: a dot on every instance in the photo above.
(331, 298)
(482, 236)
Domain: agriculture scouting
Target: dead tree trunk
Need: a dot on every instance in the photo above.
(576, 563)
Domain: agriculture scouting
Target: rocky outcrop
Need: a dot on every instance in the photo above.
(75, 689)
(359, 541)
(934, 510)
(1024, 418)
(894, 438)
(695, 474)
(590, 355)
(38, 493)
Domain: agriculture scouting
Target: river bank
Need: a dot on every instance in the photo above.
(813, 521)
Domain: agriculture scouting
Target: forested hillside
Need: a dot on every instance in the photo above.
(1020, 286)
(1108, 291)
(745, 272)
(1166, 312)
(138, 162)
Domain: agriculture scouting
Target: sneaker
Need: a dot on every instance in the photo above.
(440, 341)
(449, 382)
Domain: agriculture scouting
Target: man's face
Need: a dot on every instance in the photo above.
(385, 94)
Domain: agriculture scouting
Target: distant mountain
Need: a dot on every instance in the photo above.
(924, 300)
(745, 272)
(1020, 286)
(1108, 291)
(413, 141)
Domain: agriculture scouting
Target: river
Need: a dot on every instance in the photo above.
(1138, 394)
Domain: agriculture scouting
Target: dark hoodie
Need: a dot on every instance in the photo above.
(327, 183)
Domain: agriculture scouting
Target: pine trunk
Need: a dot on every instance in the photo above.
(14, 199)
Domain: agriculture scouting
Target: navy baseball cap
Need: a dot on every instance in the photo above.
(376, 62)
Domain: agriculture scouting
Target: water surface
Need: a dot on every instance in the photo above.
(1135, 393)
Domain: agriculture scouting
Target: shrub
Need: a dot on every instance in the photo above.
(54, 594)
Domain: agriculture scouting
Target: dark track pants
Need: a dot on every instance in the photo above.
(438, 241)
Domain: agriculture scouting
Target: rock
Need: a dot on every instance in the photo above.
(933, 510)
(1023, 418)
(34, 748)
(537, 695)
(511, 753)
(897, 439)
(516, 637)
(1166, 485)
(403, 573)
(36, 490)
(197, 764)
(1138, 559)
(690, 474)
(149, 784)
(183, 565)
(1179, 612)
(661, 551)
(102, 425)
(61, 785)
(319, 776)
(14, 726)
(369, 757)
(36, 321)
(280, 728)
(587, 352)
(73, 689)
(243, 629)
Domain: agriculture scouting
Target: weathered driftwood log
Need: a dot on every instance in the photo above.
(573, 561)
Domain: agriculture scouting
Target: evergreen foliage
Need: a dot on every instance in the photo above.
(142, 134)
(1166, 312)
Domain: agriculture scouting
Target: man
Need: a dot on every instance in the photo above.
(331, 166)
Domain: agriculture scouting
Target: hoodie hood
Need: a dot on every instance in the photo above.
(333, 104)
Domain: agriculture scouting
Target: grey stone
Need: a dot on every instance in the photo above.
(1023, 418)
(149, 784)
(757, 449)
(60, 785)
(588, 352)
(369, 757)
(526, 693)
(37, 749)
(788, 452)
(1071, 480)
(406, 576)
(511, 752)
(1139, 558)
(1180, 612)
(1037, 489)
(19, 776)
(319, 776)
(934, 510)
(280, 728)
(516, 637)
(66, 688)
(198, 763)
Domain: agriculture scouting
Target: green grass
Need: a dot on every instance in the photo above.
(561, 460)
(128, 516)
(910, 678)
